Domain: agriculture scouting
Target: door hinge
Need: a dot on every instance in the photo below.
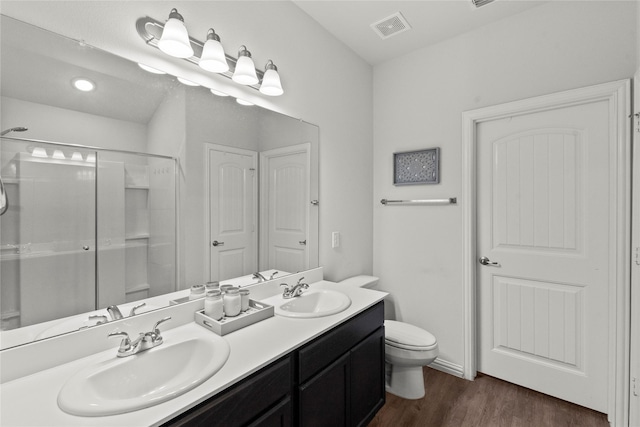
(637, 122)
(637, 257)
(634, 386)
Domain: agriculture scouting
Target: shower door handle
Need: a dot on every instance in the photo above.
(486, 261)
(216, 243)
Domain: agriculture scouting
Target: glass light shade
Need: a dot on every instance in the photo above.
(213, 58)
(76, 156)
(83, 84)
(245, 73)
(91, 158)
(271, 83)
(175, 39)
(58, 154)
(243, 102)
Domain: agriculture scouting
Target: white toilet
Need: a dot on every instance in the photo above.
(407, 349)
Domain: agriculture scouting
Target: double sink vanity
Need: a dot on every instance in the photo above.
(318, 361)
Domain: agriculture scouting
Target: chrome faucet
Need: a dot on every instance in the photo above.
(145, 340)
(294, 291)
(273, 275)
(114, 312)
(259, 276)
(135, 307)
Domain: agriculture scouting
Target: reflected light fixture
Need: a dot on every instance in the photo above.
(213, 58)
(83, 84)
(175, 39)
(187, 82)
(218, 93)
(243, 102)
(245, 73)
(271, 81)
(39, 152)
(150, 69)
(58, 154)
(91, 158)
(76, 156)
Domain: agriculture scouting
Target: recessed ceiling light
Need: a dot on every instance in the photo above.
(83, 84)
(150, 69)
(187, 82)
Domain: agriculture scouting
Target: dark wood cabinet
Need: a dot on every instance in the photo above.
(335, 380)
(341, 374)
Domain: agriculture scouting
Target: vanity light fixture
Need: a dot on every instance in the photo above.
(245, 72)
(210, 56)
(271, 81)
(39, 152)
(213, 58)
(58, 154)
(175, 38)
(76, 156)
(83, 84)
(150, 69)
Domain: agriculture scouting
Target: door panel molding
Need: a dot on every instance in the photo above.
(617, 96)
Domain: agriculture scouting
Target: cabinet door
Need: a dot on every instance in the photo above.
(278, 416)
(323, 400)
(367, 378)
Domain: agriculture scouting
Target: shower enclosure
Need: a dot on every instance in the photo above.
(85, 228)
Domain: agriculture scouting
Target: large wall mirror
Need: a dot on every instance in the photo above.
(136, 189)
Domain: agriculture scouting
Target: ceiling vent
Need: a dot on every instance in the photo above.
(480, 3)
(391, 25)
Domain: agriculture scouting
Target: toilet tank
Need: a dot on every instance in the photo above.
(361, 281)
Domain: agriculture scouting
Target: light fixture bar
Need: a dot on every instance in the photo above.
(150, 31)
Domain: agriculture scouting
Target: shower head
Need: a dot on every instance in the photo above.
(16, 129)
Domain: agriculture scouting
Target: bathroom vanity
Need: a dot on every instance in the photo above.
(280, 372)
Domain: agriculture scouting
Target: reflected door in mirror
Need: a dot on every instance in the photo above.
(233, 242)
(284, 191)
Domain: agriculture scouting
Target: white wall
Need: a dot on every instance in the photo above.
(44, 121)
(325, 83)
(553, 47)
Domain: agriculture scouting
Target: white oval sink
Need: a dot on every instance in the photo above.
(312, 303)
(120, 385)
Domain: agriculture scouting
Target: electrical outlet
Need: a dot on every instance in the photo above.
(335, 239)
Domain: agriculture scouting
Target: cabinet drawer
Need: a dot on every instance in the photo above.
(244, 402)
(330, 346)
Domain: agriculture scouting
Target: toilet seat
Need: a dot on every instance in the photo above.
(408, 337)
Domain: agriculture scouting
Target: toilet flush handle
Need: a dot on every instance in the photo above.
(486, 261)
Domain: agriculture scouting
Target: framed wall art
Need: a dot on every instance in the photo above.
(417, 167)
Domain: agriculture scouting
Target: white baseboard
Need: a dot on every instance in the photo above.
(447, 367)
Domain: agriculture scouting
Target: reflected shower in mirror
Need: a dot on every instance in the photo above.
(246, 179)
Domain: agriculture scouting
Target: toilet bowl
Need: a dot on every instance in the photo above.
(407, 349)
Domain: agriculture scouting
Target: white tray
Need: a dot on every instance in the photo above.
(257, 311)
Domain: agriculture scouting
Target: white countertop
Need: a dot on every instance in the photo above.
(31, 400)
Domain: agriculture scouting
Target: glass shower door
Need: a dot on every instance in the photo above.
(48, 233)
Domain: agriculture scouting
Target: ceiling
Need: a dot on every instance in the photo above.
(431, 21)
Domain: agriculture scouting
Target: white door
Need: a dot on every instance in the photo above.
(233, 239)
(546, 224)
(634, 413)
(284, 196)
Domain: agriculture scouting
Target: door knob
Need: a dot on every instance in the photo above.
(216, 243)
(486, 261)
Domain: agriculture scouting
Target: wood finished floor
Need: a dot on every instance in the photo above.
(485, 402)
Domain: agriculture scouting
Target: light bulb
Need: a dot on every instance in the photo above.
(83, 84)
(271, 81)
(213, 58)
(245, 73)
(175, 38)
